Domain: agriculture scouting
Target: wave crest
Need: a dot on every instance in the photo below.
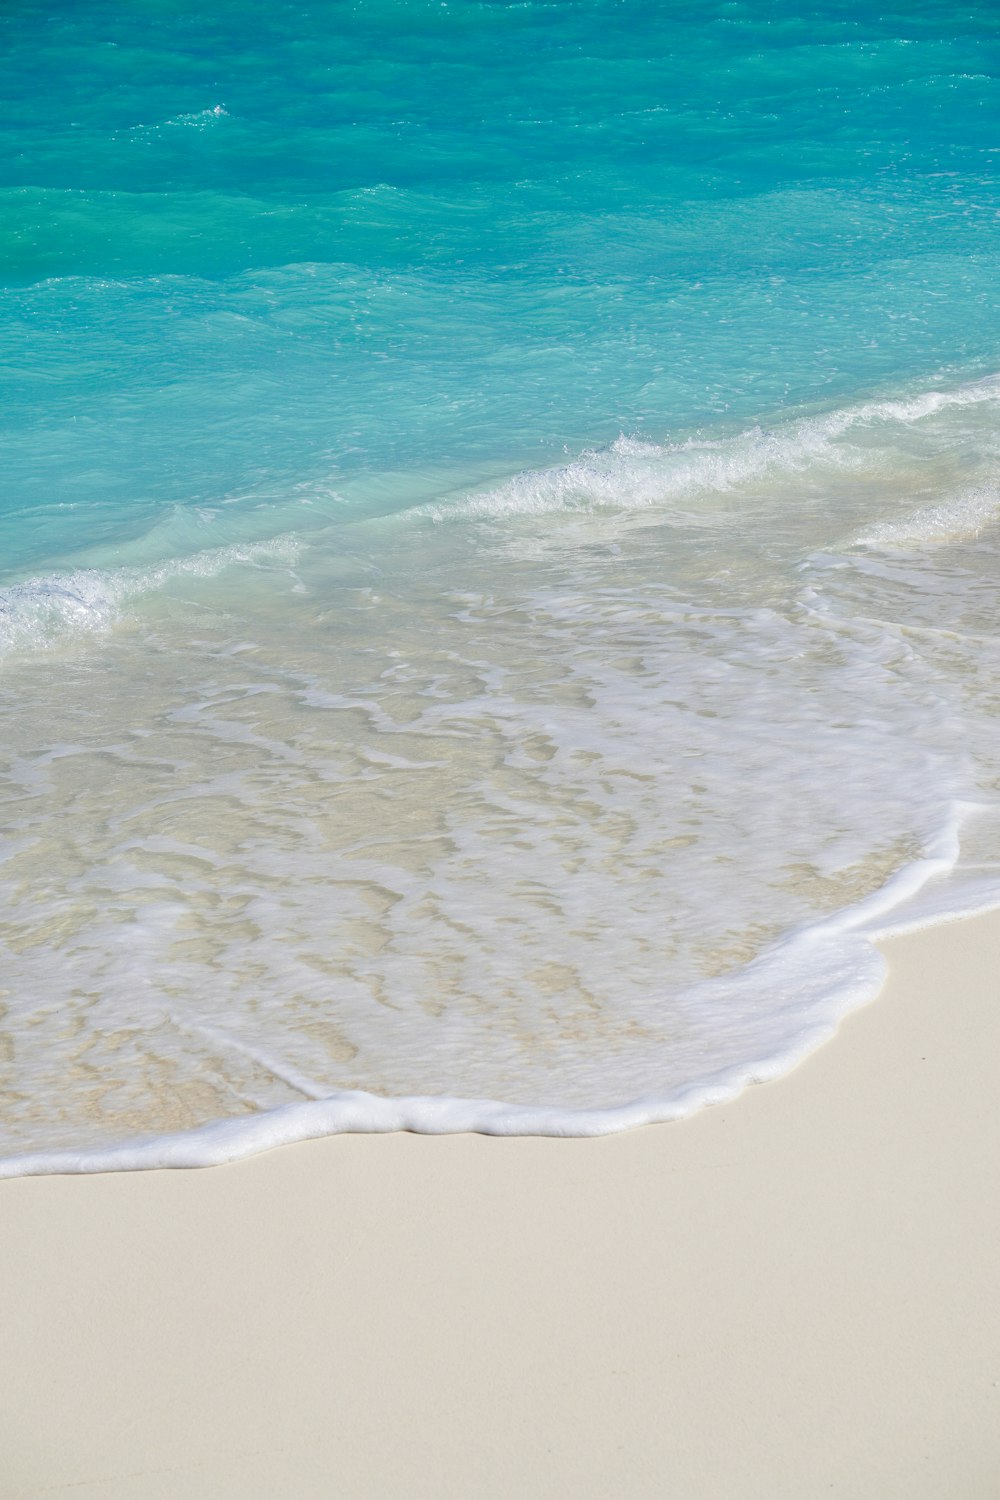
(41, 612)
(633, 474)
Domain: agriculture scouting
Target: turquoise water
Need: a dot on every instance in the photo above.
(496, 536)
(253, 249)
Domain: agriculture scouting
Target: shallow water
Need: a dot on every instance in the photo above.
(500, 537)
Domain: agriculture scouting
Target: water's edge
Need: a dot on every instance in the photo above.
(845, 941)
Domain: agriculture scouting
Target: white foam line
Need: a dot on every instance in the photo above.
(361, 1113)
(358, 1112)
(633, 474)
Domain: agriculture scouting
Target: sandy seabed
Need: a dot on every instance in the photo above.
(792, 1295)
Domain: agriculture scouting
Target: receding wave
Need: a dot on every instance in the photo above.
(556, 823)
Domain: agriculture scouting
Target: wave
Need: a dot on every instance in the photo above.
(826, 969)
(45, 611)
(634, 474)
(960, 518)
(199, 119)
(630, 474)
(644, 799)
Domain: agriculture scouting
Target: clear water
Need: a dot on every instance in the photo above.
(499, 546)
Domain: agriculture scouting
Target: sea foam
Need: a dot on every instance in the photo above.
(44, 612)
(493, 830)
(630, 661)
(633, 473)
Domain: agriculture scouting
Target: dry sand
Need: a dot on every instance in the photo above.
(794, 1295)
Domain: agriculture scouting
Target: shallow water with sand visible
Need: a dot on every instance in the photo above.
(500, 539)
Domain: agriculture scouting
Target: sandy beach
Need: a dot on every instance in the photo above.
(792, 1295)
(499, 646)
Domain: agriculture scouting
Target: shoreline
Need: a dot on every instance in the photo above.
(864, 972)
(788, 1294)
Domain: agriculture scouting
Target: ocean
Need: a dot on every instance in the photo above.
(499, 554)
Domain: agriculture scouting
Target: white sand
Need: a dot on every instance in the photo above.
(795, 1295)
